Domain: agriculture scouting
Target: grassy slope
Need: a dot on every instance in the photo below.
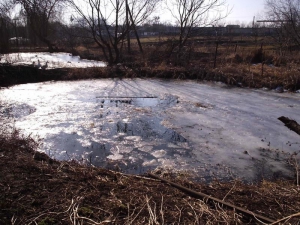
(38, 190)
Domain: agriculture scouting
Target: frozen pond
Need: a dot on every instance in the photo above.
(137, 125)
(55, 60)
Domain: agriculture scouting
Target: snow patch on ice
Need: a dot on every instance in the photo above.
(159, 153)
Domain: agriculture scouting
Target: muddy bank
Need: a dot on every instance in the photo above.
(11, 75)
(38, 190)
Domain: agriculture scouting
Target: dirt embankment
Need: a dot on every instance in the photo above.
(38, 190)
(11, 75)
(232, 75)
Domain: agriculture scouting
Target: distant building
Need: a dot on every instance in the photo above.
(229, 30)
(145, 33)
(19, 40)
(232, 29)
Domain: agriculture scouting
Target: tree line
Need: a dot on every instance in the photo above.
(113, 24)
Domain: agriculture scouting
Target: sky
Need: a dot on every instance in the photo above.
(244, 11)
(241, 12)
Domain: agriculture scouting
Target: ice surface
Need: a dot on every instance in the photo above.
(55, 60)
(209, 129)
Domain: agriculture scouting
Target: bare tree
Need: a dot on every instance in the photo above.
(190, 14)
(5, 25)
(109, 22)
(5, 6)
(39, 14)
(285, 15)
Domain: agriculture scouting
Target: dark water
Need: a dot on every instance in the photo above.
(145, 128)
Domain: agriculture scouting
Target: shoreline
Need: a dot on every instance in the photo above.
(20, 74)
(38, 189)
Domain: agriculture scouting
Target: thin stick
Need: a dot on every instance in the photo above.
(202, 195)
(286, 218)
(229, 191)
(131, 175)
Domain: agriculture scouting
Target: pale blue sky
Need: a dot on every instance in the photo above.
(245, 10)
(242, 11)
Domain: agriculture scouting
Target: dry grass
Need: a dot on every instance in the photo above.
(38, 190)
(240, 62)
(261, 75)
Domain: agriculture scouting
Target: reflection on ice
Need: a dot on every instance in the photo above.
(145, 128)
(140, 138)
(55, 60)
(137, 101)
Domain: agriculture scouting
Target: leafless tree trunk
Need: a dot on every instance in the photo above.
(39, 14)
(4, 26)
(109, 22)
(286, 13)
(190, 14)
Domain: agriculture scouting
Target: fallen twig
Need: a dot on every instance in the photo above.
(229, 191)
(286, 218)
(202, 195)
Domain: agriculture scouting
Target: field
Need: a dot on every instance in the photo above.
(241, 61)
(256, 62)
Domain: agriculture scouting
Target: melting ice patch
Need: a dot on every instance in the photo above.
(144, 124)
